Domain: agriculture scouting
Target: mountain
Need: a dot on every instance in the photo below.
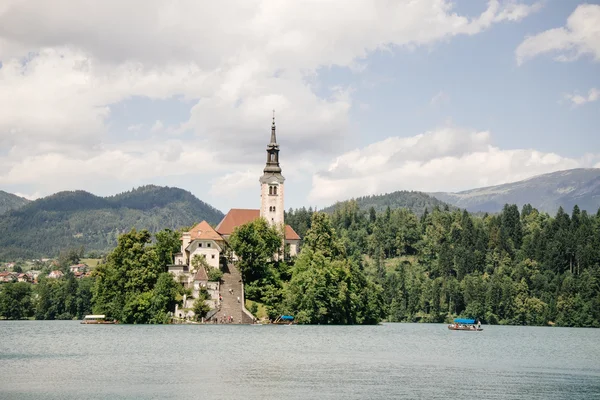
(9, 201)
(545, 192)
(71, 219)
(417, 202)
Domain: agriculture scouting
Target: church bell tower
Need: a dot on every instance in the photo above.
(271, 184)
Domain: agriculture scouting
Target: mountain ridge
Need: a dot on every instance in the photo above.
(415, 201)
(546, 192)
(78, 218)
(10, 201)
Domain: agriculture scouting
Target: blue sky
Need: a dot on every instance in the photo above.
(371, 97)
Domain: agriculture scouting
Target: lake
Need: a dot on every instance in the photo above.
(66, 360)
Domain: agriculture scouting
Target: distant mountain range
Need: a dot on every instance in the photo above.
(417, 202)
(71, 219)
(9, 201)
(545, 192)
(32, 229)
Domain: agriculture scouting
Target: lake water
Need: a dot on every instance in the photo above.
(66, 360)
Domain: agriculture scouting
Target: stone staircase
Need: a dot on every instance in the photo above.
(232, 279)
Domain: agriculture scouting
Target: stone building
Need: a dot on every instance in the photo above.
(210, 244)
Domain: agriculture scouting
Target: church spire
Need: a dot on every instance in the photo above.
(272, 167)
(273, 136)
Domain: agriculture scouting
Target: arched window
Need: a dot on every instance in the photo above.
(273, 209)
(274, 189)
(270, 190)
(272, 157)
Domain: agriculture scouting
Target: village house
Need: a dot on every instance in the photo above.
(6, 277)
(206, 247)
(78, 268)
(55, 274)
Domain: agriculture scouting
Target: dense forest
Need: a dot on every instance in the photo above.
(417, 202)
(361, 267)
(9, 201)
(131, 285)
(72, 219)
(515, 267)
(322, 285)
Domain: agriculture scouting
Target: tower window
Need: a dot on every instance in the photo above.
(270, 190)
(273, 209)
(274, 189)
(272, 157)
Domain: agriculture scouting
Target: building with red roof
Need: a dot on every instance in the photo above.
(208, 243)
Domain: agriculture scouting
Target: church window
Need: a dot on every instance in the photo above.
(274, 189)
(207, 244)
(272, 157)
(270, 190)
(273, 209)
(199, 244)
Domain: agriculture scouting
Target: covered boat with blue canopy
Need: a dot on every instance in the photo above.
(465, 324)
(284, 320)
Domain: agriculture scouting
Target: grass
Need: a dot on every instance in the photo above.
(91, 262)
(262, 311)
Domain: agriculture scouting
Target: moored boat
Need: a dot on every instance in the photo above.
(462, 324)
(97, 320)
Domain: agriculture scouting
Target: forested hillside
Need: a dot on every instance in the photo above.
(511, 268)
(9, 201)
(72, 219)
(416, 202)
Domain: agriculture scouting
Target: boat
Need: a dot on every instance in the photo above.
(462, 324)
(284, 320)
(97, 320)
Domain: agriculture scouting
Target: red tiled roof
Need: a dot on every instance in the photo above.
(201, 275)
(290, 234)
(236, 217)
(204, 231)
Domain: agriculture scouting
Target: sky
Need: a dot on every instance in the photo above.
(370, 97)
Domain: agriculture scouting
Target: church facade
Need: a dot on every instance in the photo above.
(210, 243)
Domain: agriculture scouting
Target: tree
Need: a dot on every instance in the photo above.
(255, 245)
(15, 300)
(200, 307)
(167, 243)
(328, 288)
(132, 285)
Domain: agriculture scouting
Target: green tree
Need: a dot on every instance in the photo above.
(255, 244)
(15, 300)
(132, 285)
(328, 288)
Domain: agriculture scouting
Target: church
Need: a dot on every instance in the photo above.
(210, 243)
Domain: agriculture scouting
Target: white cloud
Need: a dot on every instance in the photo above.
(33, 196)
(443, 160)
(580, 36)
(578, 100)
(157, 127)
(235, 182)
(124, 163)
(134, 128)
(439, 98)
(237, 59)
